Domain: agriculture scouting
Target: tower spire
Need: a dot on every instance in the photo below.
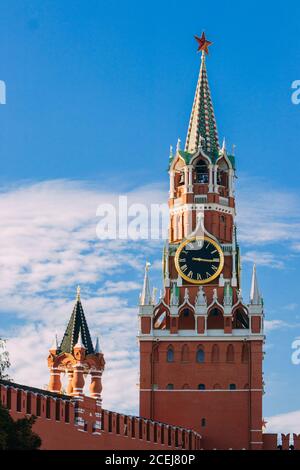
(146, 295)
(202, 130)
(255, 297)
(77, 330)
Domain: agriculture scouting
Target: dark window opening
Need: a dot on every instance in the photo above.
(201, 172)
(232, 386)
(170, 355)
(201, 386)
(200, 357)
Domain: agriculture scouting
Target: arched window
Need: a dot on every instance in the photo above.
(201, 172)
(200, 356)
(170, 354)
(230, 353)
(222, 175)
(215, 320)
(232, 386)
(203, 422)
(201, 386)
(245, 353)
(215, 354)
(185, 353)
(170, 387)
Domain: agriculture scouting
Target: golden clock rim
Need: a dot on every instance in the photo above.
(214, 276)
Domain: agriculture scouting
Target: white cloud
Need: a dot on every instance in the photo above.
(271, 325)
(111, 287)
(48, 245)
(263, 258)
(266, 215)
(284, 423)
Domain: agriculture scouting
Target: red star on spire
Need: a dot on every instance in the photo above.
(203, 43)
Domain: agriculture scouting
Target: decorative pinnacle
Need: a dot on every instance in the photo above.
(80, 343)
(145, 298)
(97, 346)
(224, 145)
(203, 44)
(54, 346)
(78, 294)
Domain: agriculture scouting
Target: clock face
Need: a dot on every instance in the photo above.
(199, 260)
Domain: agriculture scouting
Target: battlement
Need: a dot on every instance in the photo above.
(281, 441)
(65, 422)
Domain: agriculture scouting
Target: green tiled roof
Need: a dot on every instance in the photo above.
(77, 324)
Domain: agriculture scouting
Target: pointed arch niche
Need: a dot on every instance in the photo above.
(215, 319)
(201, 172)
(186, 319)
(223, 176)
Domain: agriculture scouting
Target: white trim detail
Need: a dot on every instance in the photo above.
(179, 208)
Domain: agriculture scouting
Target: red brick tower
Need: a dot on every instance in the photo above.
(200, 345)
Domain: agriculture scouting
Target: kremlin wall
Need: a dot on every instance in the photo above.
(68, 423)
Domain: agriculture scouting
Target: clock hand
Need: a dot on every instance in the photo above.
(213, 260)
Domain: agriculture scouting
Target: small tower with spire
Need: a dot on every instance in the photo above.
(76, 356)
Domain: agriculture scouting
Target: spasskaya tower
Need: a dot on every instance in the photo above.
(201, 344)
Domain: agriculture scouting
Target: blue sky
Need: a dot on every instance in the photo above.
(96, 93)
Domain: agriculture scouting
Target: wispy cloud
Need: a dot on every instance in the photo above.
(271, 325)
(263, 258)
(267, 215)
